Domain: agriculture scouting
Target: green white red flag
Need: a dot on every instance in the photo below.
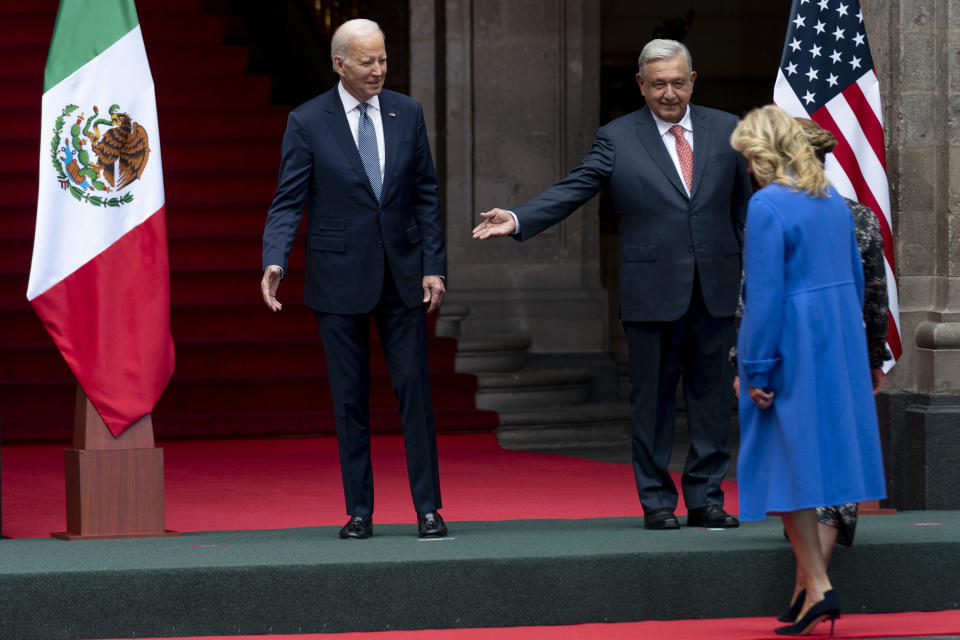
(100, 278)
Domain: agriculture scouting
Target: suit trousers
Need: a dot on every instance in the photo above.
(346, 346)
(696, 345)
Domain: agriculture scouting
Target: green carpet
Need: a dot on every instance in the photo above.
(522, 572)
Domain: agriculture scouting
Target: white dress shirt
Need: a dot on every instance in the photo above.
(670, 142)
(352, 109)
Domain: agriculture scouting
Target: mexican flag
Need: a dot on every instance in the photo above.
(100, 277)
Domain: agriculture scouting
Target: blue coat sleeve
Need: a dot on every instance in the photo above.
(763, 294)
(293, 185)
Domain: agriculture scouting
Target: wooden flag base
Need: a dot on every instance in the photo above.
(114, 486)
(873, 508)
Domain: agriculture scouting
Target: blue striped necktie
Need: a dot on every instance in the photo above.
(367, 145)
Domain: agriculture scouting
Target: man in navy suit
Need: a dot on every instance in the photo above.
(680, 192)
(358, 156)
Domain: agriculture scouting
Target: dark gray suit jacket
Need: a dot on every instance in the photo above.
(663, 233)
(349, 233)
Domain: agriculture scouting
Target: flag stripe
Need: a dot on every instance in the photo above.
(121, 354)
(894, 306)
(872, 129)
(847, 160)
(81, 33)
(870, 86)
(872, 171)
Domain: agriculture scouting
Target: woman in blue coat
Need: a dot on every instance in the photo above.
(808, 423)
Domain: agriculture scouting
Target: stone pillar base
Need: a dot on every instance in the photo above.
(921, 438)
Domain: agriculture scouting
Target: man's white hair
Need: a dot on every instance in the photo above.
(358, 27)
(661, 49)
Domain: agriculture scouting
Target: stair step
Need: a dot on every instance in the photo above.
(182, 188)
(179, 91)
(595, 423)
(143, 6)
(201, 220)
(252, 321)
(532, 389)
(186, 252)
(52, 398)
(213, 358)
(178, 124)
(240, 121)
(164, 58)
(36, 27)
(242, 187)
(225, 155)
(493, 354)
(247, 424)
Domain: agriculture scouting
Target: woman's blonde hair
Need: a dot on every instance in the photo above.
(779, 151)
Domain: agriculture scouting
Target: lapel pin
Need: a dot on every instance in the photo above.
(392, 114)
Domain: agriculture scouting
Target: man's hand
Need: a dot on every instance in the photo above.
(496, 222)
(761, 398)
(876, 375)
(433, 290)
(268, 287)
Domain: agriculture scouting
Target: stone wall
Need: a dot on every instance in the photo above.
(520, 101)
(916, 50)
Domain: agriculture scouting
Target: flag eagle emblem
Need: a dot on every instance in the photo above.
(91, 163)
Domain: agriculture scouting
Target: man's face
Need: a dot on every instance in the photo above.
(667, 87)
(365, 68)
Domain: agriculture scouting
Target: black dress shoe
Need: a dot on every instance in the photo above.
(828, 608)
(712, 517)
(430, 525)
(357, 528)
(660, 519)
(790, 615)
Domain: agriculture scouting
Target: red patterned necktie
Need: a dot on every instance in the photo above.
(685, 154)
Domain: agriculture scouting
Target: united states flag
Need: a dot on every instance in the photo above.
(826, 73)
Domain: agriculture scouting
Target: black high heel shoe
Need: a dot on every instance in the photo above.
(790, 615)
(829, 607)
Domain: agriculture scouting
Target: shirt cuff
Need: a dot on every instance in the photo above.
(516, 223)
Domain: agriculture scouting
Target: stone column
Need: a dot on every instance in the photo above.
(915, 44)
(520, 97)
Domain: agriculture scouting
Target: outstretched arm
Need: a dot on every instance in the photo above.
(558, 201)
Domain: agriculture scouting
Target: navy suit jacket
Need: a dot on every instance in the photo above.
(663, 233)
(350, 234)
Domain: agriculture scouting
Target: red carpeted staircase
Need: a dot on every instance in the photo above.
(241, 370)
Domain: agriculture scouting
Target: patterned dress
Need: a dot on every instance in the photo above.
(843, 517)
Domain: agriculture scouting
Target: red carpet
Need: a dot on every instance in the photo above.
(277, 483)
(880, 625)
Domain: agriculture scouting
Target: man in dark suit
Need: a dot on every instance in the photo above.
(358, 156)
(680, 192)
